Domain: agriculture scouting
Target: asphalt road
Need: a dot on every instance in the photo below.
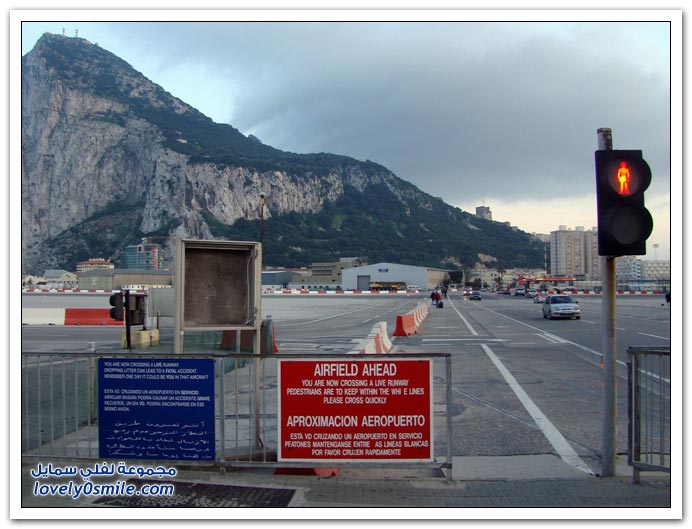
(521, 384)
(526, 385)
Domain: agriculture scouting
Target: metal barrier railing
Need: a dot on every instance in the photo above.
(649, 409)
(60, 407)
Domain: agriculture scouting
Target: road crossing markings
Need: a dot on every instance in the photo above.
(463, 339)
(468, 325)
(552, 434)
(335, 316)
(654, 336)
(583, 347)
(551, 337)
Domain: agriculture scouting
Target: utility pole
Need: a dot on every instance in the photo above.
(624, 225)
(608, 359)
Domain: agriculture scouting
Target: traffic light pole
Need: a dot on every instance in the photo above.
(608, 361)
(609, 369)
(128, 335)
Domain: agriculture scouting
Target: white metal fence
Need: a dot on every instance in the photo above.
(649, 409)
(60, 406)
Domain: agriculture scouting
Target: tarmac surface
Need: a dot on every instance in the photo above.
(479, 487)
(525, 483)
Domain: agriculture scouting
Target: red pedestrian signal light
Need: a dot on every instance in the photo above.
(624, 223)
(623, 177)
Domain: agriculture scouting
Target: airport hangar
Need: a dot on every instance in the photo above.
(360, 277)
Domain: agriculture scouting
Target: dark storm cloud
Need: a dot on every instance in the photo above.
(462, 110)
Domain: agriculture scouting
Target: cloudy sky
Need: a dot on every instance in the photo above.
(500, 110)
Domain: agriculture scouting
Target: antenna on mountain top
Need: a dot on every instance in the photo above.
(76, 33)
(63, 32)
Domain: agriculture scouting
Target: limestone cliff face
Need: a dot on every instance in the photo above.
(85, 151)
(109, 157)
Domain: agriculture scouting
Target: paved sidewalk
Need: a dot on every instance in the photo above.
(360, 489)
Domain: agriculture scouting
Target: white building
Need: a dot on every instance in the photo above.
(654, 270)
(359, 278)
(631, 268)
(628, 268)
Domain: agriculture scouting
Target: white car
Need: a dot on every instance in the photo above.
(561, 306)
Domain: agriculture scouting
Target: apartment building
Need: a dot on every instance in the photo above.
(574, 253)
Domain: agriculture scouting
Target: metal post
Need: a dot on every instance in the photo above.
(93, 398)
(605, 143)
(128, 325)
(178, 338)
(257, 343)
(448, 366)
(221, 372)
(609, 369)
(263, 197)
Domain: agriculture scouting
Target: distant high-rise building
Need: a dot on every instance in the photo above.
(574, 253)
(484, 212)
(141, 256)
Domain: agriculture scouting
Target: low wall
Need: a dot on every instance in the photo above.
(47, 316)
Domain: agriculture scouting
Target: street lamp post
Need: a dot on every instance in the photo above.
(262, 196)
(258, 336)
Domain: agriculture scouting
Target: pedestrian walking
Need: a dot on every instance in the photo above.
(436, 297)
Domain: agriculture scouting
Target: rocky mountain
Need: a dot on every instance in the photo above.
(109, 157)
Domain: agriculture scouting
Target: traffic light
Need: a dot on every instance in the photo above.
(118, 310)
(624, 223)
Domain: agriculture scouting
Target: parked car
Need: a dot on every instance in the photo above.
(520, 291)
(560, 306)
(475, 296)
(540, 298)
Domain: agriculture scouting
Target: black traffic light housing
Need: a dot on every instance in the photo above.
(118, 304)
(136, 309)
(624, 223)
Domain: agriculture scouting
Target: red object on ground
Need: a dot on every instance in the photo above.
(90, 317)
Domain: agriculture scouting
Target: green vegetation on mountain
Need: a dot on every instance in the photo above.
(378, 216)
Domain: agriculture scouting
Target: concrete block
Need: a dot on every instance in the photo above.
(140, 339)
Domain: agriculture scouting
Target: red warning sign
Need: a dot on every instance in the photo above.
(355, 409)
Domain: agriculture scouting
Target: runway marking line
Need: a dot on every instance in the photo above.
(552, 434)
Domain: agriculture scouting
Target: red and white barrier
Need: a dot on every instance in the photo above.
(77, 291)
(42, 316)
(377, 342)
(299, 291)
(407, 324)
(618, 292)
(296, 291)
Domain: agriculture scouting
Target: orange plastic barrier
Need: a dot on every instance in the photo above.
(90, 317)
(405, 325)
